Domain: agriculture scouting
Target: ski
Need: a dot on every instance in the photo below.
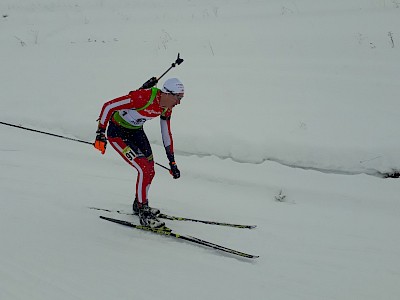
(175, 218)
(168, 232)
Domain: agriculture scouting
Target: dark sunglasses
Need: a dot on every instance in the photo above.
(179, 97)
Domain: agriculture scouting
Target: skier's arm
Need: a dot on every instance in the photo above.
(165, 122)
(106, 112)
(111, 106)
(105, 115)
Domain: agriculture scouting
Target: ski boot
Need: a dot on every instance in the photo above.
(147, 218)
(135, 208)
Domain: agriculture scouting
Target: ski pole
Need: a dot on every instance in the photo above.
(60, 136)
(162, 166)
(153, 80)
(48, 133)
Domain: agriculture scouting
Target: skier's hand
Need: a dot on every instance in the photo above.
(101, 140)
(174, 170)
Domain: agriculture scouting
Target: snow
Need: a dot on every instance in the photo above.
(292, 96)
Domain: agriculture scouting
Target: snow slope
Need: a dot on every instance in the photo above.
(270, 84)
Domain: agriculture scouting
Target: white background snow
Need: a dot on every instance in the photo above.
(298, 96)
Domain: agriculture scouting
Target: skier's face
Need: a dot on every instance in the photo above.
(170, 100)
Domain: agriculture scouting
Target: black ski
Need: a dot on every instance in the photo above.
(175, 218)
(168, 232)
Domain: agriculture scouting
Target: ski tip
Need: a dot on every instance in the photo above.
(247, 256)
(246, 226)
(250, 256)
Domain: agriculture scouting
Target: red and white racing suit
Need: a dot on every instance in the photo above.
(125, 117)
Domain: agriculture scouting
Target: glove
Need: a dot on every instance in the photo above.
(101, 140)
(174, 170)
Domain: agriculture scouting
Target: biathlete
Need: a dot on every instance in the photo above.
(124, 117)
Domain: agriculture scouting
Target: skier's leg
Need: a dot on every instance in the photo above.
(143, 165)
